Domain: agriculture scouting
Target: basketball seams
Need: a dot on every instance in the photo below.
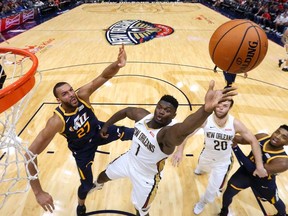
(237, 48)
(219, 40)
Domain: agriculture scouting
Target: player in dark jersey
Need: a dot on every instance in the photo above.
(74, 118)
(229, 77)
(275, 161)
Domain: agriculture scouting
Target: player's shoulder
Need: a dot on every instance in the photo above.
(54, 123)
(56, 118)
(238, 125)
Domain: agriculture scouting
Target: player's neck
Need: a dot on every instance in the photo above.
(274, 148)
(220, 121)
(68, 109)
(154, 125)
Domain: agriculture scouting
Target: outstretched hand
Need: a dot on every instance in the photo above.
(122, 57)
(213, 97)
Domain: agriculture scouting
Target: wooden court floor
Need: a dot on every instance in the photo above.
(72, 47)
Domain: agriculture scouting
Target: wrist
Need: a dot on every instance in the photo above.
(37, 192)
(36, 187)
(207, 109)
(260, 166)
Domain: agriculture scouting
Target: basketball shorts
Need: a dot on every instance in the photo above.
(144, 187)
(264, 188)
(218, 172)
(85, 155)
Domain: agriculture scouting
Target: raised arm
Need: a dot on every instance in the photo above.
(130, 112)
(42, 140)
(251, 139)
(110, 71)
(176, 134)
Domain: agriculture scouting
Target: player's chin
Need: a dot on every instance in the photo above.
(273, 142)
(161, 122)
(74, 104)
(158, 121)
(220, 114)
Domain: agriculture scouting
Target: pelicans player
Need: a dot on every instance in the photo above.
(216, 156)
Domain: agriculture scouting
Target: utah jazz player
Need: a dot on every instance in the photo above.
(74, 118)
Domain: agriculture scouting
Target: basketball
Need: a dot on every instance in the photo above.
(238, 46)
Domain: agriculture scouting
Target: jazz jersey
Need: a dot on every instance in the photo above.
(268, 155)
(218, 140)
(79, 127)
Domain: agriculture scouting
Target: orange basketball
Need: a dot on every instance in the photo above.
(238, 46)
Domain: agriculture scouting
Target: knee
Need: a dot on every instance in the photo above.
(83, 189)
(82, 192)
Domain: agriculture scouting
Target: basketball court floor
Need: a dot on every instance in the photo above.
(76, 46)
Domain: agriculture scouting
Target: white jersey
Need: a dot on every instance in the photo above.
(218, 140)
(216, 156)
(143, 164)
(145, 153)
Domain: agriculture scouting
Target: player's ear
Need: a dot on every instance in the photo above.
(174, 115)
(58, 100)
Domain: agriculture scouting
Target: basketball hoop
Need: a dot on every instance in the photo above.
(18, 68)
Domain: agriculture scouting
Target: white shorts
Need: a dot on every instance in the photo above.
(218, 175)
(144, 187)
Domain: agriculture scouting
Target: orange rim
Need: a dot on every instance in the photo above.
(14, 92)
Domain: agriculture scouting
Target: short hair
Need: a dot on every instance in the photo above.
(170, 99)
(59, 84)
(284, 126)
(232, 102)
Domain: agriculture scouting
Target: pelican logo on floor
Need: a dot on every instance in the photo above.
(134, 32)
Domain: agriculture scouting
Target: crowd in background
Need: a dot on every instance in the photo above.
(9, 7)
(272, 16)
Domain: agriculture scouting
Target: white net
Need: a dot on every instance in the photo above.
(14, 174)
